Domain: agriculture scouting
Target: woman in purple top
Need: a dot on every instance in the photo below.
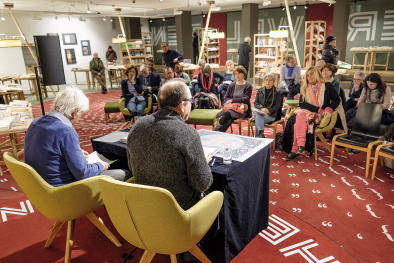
(239, 91)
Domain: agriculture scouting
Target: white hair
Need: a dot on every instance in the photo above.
(290, 57)
(202, 61)
(321, 61)
(247, 39)
(271, 75)
(229, 62)
(69, 100)
(143, 66)
(360, 74)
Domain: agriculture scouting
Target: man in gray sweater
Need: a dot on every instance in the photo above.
(166, 152)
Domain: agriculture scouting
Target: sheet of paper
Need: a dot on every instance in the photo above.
(255, 110)
(95, 157)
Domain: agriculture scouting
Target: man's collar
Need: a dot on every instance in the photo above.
(61, 117)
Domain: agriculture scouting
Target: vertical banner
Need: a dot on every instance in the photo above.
(269, 19)
(371, 24)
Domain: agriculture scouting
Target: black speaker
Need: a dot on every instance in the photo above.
(50, 60)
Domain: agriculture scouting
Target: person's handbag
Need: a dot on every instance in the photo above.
(237, 107)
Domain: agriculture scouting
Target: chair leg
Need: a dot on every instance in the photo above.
(314, 137)
(173, 258)
(96, 220)
(323, 140)
(375, 164)
(196, 251)
(332, 152)
(382, 162)
(367, 162)
(273, 146)
(251, 127)
(106, 117)
(347, 152)
(239, 125)
(147, 256)
(55, 230)
(70, 240)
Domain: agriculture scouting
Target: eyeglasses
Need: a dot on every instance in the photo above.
(189, 100)
(357, 80)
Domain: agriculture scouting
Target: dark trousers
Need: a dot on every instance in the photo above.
(247, 69)
(350, 104)
(226, 121)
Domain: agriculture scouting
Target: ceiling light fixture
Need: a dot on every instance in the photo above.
(55, 17)
(355, 1)
(104, 18)
(88, 11)
(2, 17)
(283, 8)
(199, 3)
(307, 4)
(81, 19)
(111, 19)
(329, 4)
(150, 20)
(158, 13)
(295, 6)
(133, 1)
(69, 18)
(266, 2)
(164, 19)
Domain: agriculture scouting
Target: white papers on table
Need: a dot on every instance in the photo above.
(95, 157)
(344, 64)
(257, 111)
(210, 150)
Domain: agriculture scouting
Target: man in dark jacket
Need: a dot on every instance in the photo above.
(244, 50)
(195, 47)
(98, 71)
(174, 158)
(170, 57)
(150, 80)
(330, 51)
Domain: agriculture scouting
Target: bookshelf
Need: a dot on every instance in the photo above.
(148, 46)
(265, 55)
(315, 36)
(211, 51)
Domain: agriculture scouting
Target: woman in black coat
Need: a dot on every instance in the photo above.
(135, 99)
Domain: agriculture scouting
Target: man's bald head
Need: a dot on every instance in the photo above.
(173, 93)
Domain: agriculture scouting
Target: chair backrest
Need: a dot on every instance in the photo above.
(367, 120)
(279, 113)
(37, 190)
(147, 217)
(342, 96)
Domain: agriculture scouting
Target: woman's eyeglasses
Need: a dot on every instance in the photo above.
(189, 100)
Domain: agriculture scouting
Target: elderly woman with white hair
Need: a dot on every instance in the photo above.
(290, 78)
(52, 145)
(356, 88)
(228, 79)
(268, 103)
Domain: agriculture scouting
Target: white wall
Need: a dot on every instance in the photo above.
(144, 25)
(96, 30)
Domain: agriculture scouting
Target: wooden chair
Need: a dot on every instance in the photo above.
(383, 150)
(327, 124)
(364, 134)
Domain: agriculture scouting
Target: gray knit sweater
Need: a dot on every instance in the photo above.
(164, 151)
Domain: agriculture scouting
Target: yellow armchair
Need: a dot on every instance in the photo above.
(61, 204)
(325, 125)
(156, 223)
(126, 112)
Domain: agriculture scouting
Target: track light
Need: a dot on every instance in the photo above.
(2, 17)
(82, 19)
(150, 20)
(111, 19)
(307, 4)
(164, 19)
(282, 7)
(88, 11)
(295, 6)
(355, 1)
(69, 18)
(202, 13)
(158, 13)
(55, 17)
(133, 1)
(199, 3)
(104, 18)
(329, 4)
(161, 0)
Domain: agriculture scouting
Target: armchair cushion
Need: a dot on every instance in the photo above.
(202, 116)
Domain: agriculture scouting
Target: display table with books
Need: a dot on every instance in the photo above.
(14, 118)
(7, 91)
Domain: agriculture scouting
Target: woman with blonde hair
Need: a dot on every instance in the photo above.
(318, 99)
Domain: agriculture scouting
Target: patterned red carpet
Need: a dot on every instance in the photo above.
(317, 214)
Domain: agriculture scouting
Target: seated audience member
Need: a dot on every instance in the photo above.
(151, 65)
(239, 91)
(320, 64)
(374, 91)
(98, 71)
(196, 88)
(182, 75)
(168, 75)
(132, 91)
(150, 81)
(328, 72)
(268, 100)
(228, 79)
(175, 158)
(290, 78)
(52, 145)
(207, 97)
(318, 100)
(355, 90)
(170, 57)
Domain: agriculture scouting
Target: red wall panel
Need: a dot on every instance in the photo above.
(321, 12)
(219, 20)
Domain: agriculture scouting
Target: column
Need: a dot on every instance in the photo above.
(132, 27)
(183, 24)
(340, 26)
(249, 27)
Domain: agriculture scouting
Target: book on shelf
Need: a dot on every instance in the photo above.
(132, 53)
(141, 53)
(270, 41)
(148, 49)
(319, 27)
(137, 53)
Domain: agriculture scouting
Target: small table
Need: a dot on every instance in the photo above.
(291, 104)
(372, 59)
(8, 95)
(232, 51)
(86, 70)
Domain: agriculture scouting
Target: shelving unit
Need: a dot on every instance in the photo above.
(315, 36)
(265, 55)
(212, 50)
(148, 46)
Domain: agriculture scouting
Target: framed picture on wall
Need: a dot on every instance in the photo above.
(86, 48)
(70, 56)
(69, 39)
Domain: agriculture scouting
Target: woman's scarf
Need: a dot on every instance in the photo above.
(315, 87)
(204, 83)
(331, 79)
(314, 93)
(289, 70)
(377, 93)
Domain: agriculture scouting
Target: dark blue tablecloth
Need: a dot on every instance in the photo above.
(245, 186)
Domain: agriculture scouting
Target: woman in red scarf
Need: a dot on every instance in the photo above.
(318, 100)
(207, 82)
